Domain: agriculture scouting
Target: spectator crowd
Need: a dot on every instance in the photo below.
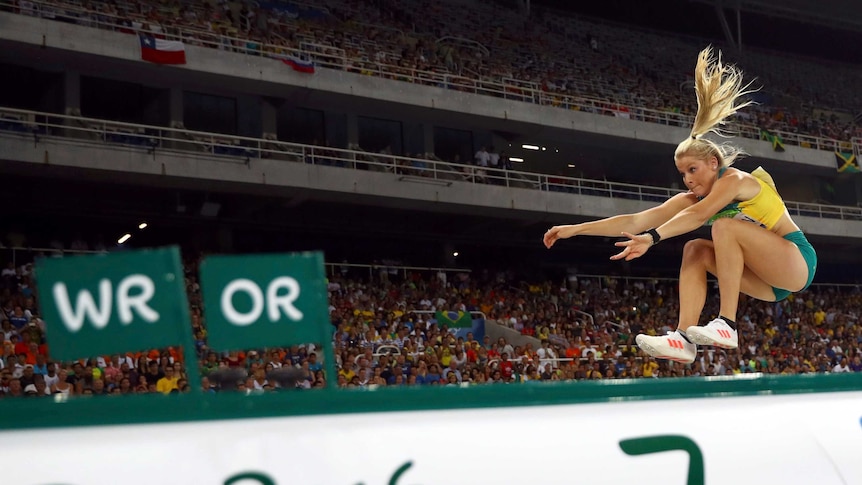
(551, 57)
(385, 334)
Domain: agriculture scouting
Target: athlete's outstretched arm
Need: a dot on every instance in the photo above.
(616, 225)
(725, 190)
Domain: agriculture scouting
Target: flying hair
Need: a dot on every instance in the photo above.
(719, 88)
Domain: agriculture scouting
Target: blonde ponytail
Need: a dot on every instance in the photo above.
(718, 88)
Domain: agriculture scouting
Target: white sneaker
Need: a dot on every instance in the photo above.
(716, 332)
(671, 346)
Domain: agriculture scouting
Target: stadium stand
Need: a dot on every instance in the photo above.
(555, 59)
(578, 330)
(15, 122)
(384, 334)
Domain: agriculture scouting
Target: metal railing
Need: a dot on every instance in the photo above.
(628, 279)
(19, 255)
(330, 268)
(331, 57)
(335, 268)
(151, 139)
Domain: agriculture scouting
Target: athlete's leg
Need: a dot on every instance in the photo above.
(751, 259)
(698, 259)
(741, 246)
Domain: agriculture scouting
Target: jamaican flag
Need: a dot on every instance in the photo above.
(454, 319)
(847, 162)
(777, 142)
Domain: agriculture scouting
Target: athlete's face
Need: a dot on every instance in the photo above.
(698, 174)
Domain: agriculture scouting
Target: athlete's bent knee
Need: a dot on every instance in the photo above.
(698, 250)
(724, 226)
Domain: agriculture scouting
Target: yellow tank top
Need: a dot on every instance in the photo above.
(764, 209)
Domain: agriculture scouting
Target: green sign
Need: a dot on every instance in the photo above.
(113, 303)
(265, 300)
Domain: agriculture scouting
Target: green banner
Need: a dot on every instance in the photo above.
(454, 319)
(113, 303)
(265, 300)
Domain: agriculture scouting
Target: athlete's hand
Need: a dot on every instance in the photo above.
(636, 246)
(557, 232)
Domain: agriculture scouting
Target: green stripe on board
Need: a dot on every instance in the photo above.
(140, 409)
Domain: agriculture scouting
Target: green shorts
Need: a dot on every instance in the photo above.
(807, 250)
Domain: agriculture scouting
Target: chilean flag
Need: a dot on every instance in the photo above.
(298, 64)
(162, 51)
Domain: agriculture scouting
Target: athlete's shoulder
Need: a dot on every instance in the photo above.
(732, 179)
(733, 173)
